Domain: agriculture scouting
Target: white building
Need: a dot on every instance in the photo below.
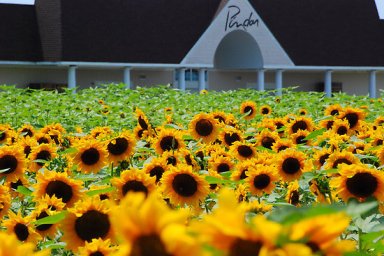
(328, 45)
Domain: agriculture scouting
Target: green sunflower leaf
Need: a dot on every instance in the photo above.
(53, 219)
(23, 190)
(315, 134)
(100, 191)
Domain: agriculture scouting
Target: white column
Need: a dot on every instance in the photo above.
(72, 78)
(181, 76)
(372, 84)
(201, 79)
(328, 83)
(260, 79)
(127, 77)
(279, 82)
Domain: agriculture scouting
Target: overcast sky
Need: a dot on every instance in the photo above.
(17, 1)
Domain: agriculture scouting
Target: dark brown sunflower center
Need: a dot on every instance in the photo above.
(330, 124)
(21, 231)
(169, 143)
(248, 109)
(230, 138)
(92, 224)
(242, 247)
(265, 111)
(352, 118)
(172, 160)
(59, 189)
(119, 147)
(43, 227)
(243, 175)
(223, 167)
(96, 254)
(204, 127)
(2, 135)
(341, 161)
(43, 140)
(323, 158)
(27, 132)
(261, 181)
(8, 162)
(314, 247)
(142, 123)
(134, 186)
(362, 184)
(294, 198)
(184, 185)
(158, 172)
(245, 151)
(103, 196)
(281, 148)
(148, 245)
(299, 125)
(334, 112)
(291, 165)
(43, 155)
(27, 150)
(90, 156)
(342, 130)
(267, 142)
(14, 185)
(301, 139)
(219, 118)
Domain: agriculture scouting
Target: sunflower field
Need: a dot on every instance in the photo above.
(160, 172)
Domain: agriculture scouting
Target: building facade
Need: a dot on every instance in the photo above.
(316, 45)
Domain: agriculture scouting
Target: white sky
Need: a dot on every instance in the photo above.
(17, 1)
(380, 8)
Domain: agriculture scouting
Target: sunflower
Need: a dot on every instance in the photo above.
(341, 127)
(44, 210)
(6, 134)
(87, 220)
(326, 123)
(265, 110)
(183, 186)
(53, 127)
(220, 164)
(354, 117)
(220, 116)
(320, 157)
(360, 182)
(26, 130)
(256, 207)
(321, 196)
(204, 127)
(379, 121)
(282, 144)
(21, 227)
(149, 227)
(303, 112)
(241, 169)
(261, 179)
(189, 158)
(134, 180)
(40, 155)
(120, 147)
(279, 124)
(10, 245)
(230, 135)
(57, 184)
(42, 138)
(101, 132)
(51, 203)
(167, 140)
(13, 185)
(99, 190)
(243, 151)
(267, 138)
(12, 162)
(97, 247)
(142, 120)
(293, 194)
(300, 123)
(156, 168)
(248, 109)
(340, 157)
(90, 156)
(27, 143)
(333, 110)
(321, 234)
(291, 164)
(299, 138)
(171, 158)
(226, 229)
(5, 201)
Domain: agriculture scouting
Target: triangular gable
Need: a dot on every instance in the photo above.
(237, 14)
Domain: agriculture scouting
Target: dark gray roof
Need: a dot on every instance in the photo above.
(312, 32)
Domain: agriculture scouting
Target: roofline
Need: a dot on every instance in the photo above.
(167, 65)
